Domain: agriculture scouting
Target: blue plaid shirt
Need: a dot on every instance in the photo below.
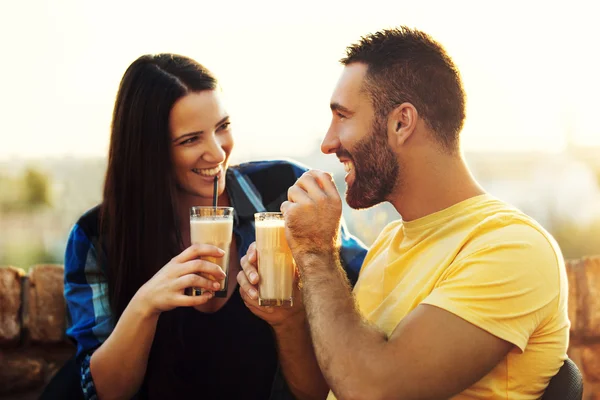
(89, 314)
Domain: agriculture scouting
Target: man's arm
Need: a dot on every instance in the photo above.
(298, 361)
(294, 346)
(357, 359)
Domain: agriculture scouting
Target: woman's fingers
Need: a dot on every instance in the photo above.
(201, 266)
(197, 251)
(181, 300)
(196, 281)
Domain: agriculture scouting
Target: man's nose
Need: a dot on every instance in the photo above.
(330, 142)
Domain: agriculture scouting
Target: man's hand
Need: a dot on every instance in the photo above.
(312, 215)
(275, 316)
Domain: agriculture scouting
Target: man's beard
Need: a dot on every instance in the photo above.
(376, 169)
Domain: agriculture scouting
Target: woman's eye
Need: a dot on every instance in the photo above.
(190, 140)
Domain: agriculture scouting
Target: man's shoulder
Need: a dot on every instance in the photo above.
(514, 243)
(509, 225)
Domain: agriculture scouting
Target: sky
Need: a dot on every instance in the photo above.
(530, 68)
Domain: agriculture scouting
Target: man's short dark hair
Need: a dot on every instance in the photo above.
(407, 65)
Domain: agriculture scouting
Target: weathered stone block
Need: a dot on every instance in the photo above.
(590, 361)
(591, 391)
(45, 304)
(592, 274)
(573, 273)
(10, 304)
(19, 372)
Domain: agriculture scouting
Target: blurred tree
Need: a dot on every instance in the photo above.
(28, 192)
(36, 189)
(9, 193)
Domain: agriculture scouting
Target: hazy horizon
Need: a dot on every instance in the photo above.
(528, 71)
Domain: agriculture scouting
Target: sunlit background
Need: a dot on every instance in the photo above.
(530, 70)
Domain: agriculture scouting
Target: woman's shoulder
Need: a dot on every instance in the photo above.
(272, 167)
(89, 222)
(269, 179)
(82, 248)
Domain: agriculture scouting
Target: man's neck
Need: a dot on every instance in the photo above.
(433, 185)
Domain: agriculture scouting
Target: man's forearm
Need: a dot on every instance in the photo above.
(298, 361)
(345, 346)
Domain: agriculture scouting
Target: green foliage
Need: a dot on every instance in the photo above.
(36, 188)
(24, 255)
(28, 192)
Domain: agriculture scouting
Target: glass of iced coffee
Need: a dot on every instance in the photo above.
(276, 266)
(213, 225)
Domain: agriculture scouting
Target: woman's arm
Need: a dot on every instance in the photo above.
(119, 357)
(118, 366)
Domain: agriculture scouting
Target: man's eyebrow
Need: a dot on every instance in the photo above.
(221, 122)
(338, 107)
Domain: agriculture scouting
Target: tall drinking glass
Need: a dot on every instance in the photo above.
(213, 225)
(276, 266)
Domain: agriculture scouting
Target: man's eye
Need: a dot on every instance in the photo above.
(224, 126)
(340, 116)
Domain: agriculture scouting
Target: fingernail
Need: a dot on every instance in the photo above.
(253, 293)
(253, 277)
(217, 285)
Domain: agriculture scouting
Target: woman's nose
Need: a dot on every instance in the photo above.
(215, 153)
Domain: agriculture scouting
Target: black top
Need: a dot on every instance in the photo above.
(229, 354)
(226, 355)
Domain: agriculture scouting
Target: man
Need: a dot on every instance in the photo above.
(464, 297)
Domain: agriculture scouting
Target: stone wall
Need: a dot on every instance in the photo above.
(33, 345)
(584, 313)
(32, 329)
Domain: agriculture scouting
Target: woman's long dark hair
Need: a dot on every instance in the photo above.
(139, 216)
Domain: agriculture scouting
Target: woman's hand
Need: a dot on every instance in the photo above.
(165, 290)
(275, 316)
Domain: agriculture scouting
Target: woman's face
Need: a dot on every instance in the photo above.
(201, 143)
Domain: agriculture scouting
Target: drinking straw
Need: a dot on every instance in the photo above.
(215, 192)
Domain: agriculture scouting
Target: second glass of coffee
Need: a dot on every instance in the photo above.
(276, 266)
(213, 225)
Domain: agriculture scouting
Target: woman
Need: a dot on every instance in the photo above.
(129, 260)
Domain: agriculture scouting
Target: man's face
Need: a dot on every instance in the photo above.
(359, 139)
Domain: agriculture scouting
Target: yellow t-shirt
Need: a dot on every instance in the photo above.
(489, 264)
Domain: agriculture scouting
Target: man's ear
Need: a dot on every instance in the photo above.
(402, 122)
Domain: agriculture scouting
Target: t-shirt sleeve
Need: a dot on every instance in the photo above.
(507, 284)
(85, 290)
